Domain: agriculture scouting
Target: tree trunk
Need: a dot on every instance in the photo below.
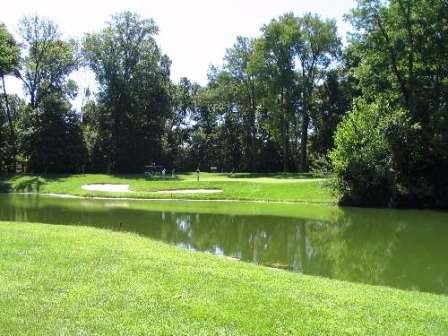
(7, 107)
(285, 146)
(284, 135)
(116, 165)
(253, 134)
(304, 137)
(11, 126)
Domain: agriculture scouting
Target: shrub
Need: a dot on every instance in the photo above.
(361, 159)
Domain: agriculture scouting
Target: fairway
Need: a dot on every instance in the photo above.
(304, 188)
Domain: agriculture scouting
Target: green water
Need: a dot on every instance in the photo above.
(396, 248)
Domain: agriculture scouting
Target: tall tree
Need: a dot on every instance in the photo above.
(9, 61)
(133, 77)
(274, 62)
(178, 123)
(332, 101)
(317, 45)
(8, 139)
(49, 129)
(48, 60)
(50, 136)
(402, 77)
(237, 64)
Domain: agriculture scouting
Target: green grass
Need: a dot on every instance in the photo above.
(58, 280)
(244, 187)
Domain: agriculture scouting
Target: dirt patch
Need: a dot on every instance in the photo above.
(107, 187)
(190, 191)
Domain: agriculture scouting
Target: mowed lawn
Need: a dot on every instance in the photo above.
(248, 187)
(60, 280)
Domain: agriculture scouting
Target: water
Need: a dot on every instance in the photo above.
(396, 248)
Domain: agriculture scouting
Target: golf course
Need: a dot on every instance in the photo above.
(109, 262)
(205, 168)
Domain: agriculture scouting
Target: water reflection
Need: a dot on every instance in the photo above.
(404, 249)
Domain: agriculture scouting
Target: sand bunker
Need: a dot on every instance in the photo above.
(189, 191)
(107, 187)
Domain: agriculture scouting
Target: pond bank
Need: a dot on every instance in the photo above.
(69, 279)
(173, 199)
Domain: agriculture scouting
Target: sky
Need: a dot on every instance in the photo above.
(193, 33)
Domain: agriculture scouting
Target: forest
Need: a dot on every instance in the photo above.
(371, 112)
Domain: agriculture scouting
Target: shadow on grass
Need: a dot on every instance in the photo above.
(143, 177)
(4, 185)
(274, 175)
(32, 184)
(278, 175)
(27, 183)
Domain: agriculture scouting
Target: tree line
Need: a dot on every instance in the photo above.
(373, 112)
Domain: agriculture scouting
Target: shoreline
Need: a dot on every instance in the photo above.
(68, 196)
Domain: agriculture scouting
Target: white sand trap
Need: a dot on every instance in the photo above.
(190, 191)
(107, 187)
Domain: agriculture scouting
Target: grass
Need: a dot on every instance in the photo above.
(60, 280)
(243, 187)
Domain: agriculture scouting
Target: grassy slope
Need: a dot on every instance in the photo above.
(295, 188)
(71, 280)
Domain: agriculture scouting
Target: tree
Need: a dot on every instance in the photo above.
(291, 57)
(274, 63)
(362, 159)
(49, 132)
(178, 128)
(247, 92)
(401, 46)
(318, 44)
(48, 60)
(333, 98)
(50, 136)
(205, 120)
(229, 133)
(9, 61)
(8, 139)
(133, 77)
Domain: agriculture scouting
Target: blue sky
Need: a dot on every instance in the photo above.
(194, 33)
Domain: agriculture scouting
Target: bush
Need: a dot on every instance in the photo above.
(361, 159)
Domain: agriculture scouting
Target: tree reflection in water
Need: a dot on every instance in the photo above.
(404, 249)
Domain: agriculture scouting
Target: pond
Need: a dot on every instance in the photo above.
(405, 249)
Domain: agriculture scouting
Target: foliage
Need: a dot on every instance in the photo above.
(50, 137)
(177, 146)
(133, 77)
(259, 103)
(361, 159)
(9, 61)
(9, 52)
(48, 131)
(48, 60)
(274, 104)
(9, 121)
(332, 102)
(319, 44)
(401, 57)
(247, 118)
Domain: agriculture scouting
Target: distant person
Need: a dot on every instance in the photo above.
(173, 172)
(232, 172)
(197, 173)
(163, 171)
